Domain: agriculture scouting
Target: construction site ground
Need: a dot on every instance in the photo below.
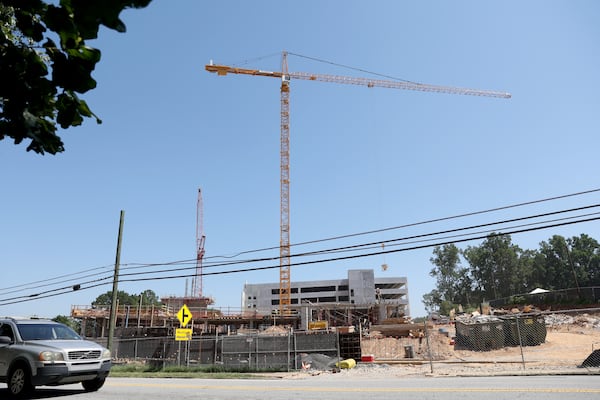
(568, 343)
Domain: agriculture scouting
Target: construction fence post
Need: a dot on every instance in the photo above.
(520, 341)
(428, 345)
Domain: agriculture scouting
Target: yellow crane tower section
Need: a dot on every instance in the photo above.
(285, 76)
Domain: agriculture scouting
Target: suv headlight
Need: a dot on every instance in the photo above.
(51, 356)
(106, 353)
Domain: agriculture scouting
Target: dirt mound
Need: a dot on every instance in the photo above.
(570, 340)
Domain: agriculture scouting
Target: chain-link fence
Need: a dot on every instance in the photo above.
(565, 341)
(251, 351)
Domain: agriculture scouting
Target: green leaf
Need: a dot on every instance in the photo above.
(30, 106)
(73, 73)
(29, 26)
(68, 111)
(59, 20)
(87, 53)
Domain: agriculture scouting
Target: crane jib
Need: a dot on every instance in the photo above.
(348, 80)
(224, 70)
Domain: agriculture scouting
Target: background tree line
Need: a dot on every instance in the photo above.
(146, 298)
(498, 269)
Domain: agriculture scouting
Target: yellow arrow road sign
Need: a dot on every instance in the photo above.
(184, 315)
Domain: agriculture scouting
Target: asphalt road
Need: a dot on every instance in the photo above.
(334, 388)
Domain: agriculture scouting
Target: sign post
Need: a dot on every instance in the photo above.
(184, 315)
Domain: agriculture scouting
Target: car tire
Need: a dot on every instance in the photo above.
(19, 382)
(93, 385)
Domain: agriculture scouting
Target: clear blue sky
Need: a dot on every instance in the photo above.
(361, 159)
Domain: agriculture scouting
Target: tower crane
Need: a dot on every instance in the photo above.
(200, 238)
(285, 76)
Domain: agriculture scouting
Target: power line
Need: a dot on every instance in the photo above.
(369, 254)
(29, 286)
(390, 242)
(41, 285)
(358, 247)
(361, 247)
(470, 214)
(65, 289)
(378, 243)
(51, 293)
(53, 279)
(413, 224)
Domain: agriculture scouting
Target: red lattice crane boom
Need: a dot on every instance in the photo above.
(200, 238)
(286, 76)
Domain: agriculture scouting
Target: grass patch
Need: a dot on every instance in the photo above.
(206, 372)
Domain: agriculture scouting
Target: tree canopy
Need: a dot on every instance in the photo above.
(148, 298)
(500, 269)
(40, 80)
(70, 322)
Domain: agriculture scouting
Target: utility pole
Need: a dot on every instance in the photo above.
(113, 308)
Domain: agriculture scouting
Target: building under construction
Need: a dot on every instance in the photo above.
(360, 300)
(356, 300)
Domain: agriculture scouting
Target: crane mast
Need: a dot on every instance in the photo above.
(285, 283)
(285, 76)
(200, 238)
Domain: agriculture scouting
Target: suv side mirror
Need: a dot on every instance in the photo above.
(5, 340)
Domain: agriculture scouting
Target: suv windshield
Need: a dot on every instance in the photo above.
(47, 332)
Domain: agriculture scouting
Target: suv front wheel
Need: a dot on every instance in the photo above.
(19, 381)
(93, 385)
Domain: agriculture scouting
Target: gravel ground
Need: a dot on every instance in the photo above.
(569, 341)
(387, 371)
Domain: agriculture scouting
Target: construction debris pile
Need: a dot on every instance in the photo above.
(582, 320)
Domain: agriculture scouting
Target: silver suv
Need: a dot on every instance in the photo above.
(36, 352)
